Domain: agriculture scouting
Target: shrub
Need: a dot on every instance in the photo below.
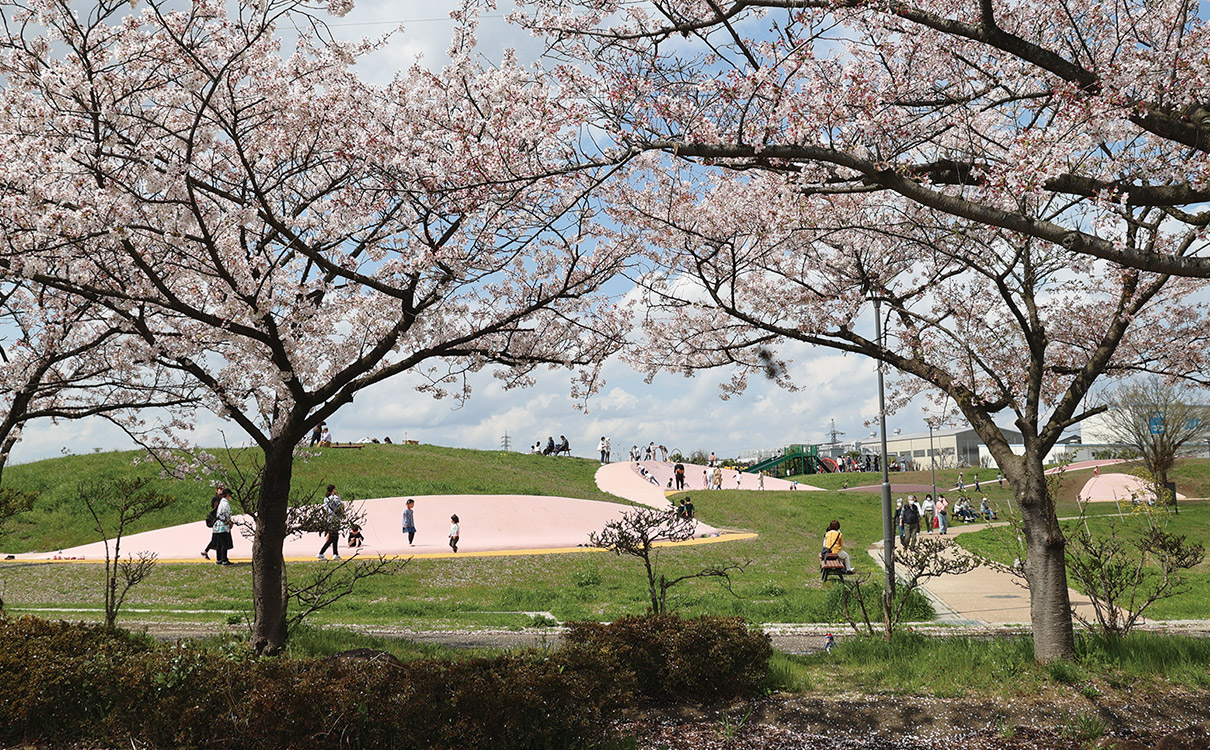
(60, 679)
(83, 685)
(706, 658)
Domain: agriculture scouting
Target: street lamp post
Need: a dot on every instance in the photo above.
(888, 535)
(932, 461)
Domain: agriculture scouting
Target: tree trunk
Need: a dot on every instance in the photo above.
(268, 566)
(1045, 564)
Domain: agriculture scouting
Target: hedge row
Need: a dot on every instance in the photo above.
(66, 684)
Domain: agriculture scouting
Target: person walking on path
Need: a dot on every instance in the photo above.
(222, 528)
(943, 516)
(976, 478)
(929, 509)
(212, 545)
(833, 544)
(409, 521)
(899, 521)
(911, 521)
(334, 508)
(455, 530)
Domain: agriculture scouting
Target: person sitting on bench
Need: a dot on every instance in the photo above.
(550, 447)
(563, 446)
(833, 544)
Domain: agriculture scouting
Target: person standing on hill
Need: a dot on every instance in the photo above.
(222, 528)
(604, 451)
(455, 532)
(214, 501)
(334, 509)
(409, 521)
(678, 471)
(911, 521)
(943, 516)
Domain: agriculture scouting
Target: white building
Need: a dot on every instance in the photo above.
(948, 449)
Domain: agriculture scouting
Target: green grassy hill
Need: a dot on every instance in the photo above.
(60, 517)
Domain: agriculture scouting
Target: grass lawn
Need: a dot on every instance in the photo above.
(780, 583)
(1001, 667)
(1193, 521)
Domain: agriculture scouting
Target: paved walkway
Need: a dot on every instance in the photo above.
(984, 596)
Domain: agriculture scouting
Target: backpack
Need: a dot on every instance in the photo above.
(211, 517)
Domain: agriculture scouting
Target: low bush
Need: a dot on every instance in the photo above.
(69, 685)
(702, 659)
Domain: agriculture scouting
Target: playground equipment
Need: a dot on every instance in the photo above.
(794, 459)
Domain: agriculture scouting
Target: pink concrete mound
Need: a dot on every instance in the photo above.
(489, 523)
(1121, 488)
(647, 482)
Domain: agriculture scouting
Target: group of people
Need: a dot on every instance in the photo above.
(321, 436)
(220, 521)
(649, 452)
(685, 510)
(552, 448)
(934, 515)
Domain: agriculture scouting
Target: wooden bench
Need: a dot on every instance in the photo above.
(831, 565)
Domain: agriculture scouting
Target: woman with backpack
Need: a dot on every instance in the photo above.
(222, 528)
(335, 510)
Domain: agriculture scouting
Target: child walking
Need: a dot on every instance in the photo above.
(454, 532)
(409, 522)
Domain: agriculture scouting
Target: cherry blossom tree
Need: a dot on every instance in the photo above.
(285, 234)
(988, 323)
(1012, 186)
(61, 357)
(961, 107)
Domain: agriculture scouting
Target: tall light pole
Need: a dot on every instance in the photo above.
(932, 461)
(888, 535)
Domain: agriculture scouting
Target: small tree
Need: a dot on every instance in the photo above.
(129, 500)
(325, 585)
(1125, 571)
(636, 534)
(1157, 418)
(928, 558)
